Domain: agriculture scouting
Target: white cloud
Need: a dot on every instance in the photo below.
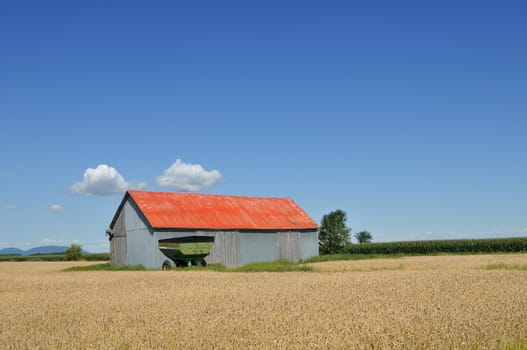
(55, 208)
(188, 177)
(7, 207)
(103, 180)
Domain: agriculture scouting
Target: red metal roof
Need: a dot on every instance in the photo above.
(205, 211)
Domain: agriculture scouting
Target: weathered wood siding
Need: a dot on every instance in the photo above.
(226, 248)
(118, 242)
(141, 244)
(308, 245)
(289, 245)
(258, 247)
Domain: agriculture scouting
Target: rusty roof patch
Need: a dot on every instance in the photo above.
(205, 211)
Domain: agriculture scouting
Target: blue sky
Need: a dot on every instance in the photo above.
(411, 116)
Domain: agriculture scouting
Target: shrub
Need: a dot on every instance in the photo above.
(74, 252)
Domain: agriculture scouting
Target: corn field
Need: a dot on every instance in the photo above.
(434, 302)
(485, 245)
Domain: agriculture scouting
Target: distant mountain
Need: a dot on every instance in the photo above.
(50, 249)
(11, 251)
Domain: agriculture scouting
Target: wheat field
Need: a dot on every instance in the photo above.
(445, 302)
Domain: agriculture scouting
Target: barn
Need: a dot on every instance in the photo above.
(240, 229)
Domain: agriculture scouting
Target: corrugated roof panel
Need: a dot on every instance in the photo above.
(205, 211)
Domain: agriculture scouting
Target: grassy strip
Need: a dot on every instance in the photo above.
(282, 265)
(344, 257)
(341, 257)
(400, 267)
(275, 266)
(47, 257)
(54, 257)
(504, 266)
(105, 267)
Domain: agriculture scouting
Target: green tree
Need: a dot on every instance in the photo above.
(363, 237)
(74, 252)
(333, 235)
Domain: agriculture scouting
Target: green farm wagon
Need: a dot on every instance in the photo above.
(186, 251)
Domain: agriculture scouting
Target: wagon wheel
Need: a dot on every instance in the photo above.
(166, 266)
(199, 262)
